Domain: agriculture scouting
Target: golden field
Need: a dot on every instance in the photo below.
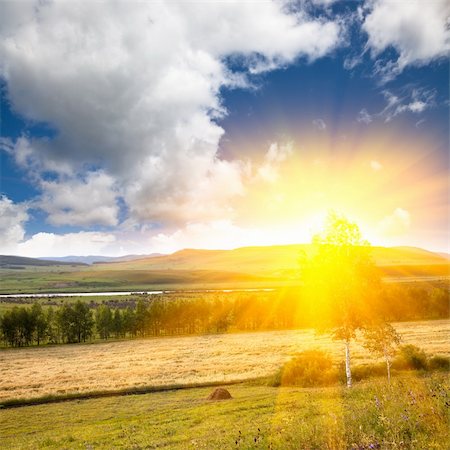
(71, 369)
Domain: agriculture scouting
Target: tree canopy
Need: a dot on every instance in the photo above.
(340, 280)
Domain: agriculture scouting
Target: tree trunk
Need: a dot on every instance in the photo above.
(348, 371)
(388, 366)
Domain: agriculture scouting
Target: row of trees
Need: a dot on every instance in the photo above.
(23, 326)
(341, 293)
(202, 313)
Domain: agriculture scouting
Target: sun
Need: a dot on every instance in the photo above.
(378, 187)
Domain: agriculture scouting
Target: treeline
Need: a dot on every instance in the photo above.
(22, 326)
(198, 314)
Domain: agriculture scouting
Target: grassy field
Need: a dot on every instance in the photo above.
(413, 414)
(99, 279)
(247, 267)
(74, 369)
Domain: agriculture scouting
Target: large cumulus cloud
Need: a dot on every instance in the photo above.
(12, 223)
(132, 93)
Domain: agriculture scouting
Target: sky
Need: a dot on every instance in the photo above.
(148, 127)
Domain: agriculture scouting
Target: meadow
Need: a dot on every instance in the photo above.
(99, 279)
(245, 267)
(412, 414)
(35, 372)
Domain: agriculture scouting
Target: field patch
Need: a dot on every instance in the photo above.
(70, 369)
(367, 416)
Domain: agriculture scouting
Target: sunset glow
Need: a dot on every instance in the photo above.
(385, 184)
(230, 139)
(224, 224)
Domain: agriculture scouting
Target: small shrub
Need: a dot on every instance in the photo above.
(439, 362)
(410, 357)
(309, 368)
(275, 379)
(364, 371)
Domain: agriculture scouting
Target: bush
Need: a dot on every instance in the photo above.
(410, 357)
(364, 371)
(439, 362)
(309, 368)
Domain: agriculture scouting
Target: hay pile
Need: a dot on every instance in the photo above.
(219, 394)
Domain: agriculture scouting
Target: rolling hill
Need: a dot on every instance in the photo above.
(95, 259)
(245, 267)
(9, 261)
(274, 261)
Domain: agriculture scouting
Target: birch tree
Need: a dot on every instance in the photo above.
(382, 340)
(340, 282)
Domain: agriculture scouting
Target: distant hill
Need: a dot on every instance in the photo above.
(19, 261)
(246, 267)
(94, 259)
(275, 261)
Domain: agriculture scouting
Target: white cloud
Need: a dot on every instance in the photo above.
(352, 61)
(78, 244)
(12, 224)
(134, 90)
(417, 106)
(13, 217)
(226, 234)
(320, 124)
(324, 2)
(395, 224)
(80, 202)
(364, 117)
(419, 123)
(277, 154)
(221, 234)
(418, 30)
(409, 100)
(415, 102)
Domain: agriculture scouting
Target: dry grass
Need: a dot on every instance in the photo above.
(36, 372)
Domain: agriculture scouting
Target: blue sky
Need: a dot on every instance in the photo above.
(161, 126)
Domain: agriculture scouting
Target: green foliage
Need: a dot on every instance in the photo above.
(40, 322)
(104, 321)
(75, 322)
(184, 313)
(309, 368)
(340, 279)
(315, 368)
(117, 326)
(414, 301)
(341, 282)
(22, 326)
(381, 339)
(439, 362)
(410, 357)
(53, 331)
(365, 371)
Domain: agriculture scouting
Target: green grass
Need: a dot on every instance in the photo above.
(95, 279)
(247, 267)
(413, 414)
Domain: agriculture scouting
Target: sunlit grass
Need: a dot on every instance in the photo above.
(60, 370)
(413, 414)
